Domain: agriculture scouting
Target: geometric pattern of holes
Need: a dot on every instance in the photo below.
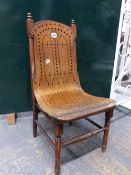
(55, 54)
(56, 84)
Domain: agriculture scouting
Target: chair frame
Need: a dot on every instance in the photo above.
(58, 125)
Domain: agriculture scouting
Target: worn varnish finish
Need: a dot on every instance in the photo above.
(56, 89)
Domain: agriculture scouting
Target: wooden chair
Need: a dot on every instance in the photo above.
(56, 89)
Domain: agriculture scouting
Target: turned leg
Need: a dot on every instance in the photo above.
(35, 117)
(70, 123)
(108, 116)
(58, 133)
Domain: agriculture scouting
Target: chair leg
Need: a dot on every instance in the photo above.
(70, 123)
(35, 117)
(108, 116)
(58, 133)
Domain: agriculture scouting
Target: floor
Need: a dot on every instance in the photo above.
(21, 154)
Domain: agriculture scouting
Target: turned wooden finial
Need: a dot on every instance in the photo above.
(73, 26)
(29, 15)
(72, 21)
(29, 23)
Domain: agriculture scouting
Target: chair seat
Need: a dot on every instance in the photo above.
(69, 105)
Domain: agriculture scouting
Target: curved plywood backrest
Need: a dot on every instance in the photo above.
(54, 55)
